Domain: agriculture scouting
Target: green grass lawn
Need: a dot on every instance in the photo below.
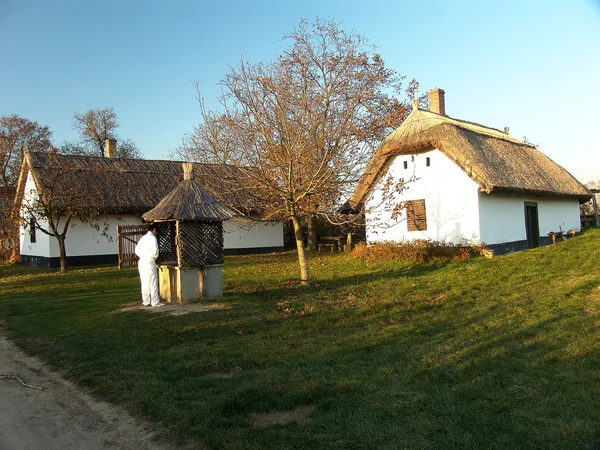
(501, 353)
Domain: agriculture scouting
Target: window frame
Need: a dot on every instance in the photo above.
(32, 230)
(416, 215)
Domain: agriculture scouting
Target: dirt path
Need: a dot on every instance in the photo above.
(60, 415)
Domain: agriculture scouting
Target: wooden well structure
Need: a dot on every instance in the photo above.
(191, 258)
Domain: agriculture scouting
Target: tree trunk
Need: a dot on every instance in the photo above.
(63, 253)
(312, 232)
(302, 259)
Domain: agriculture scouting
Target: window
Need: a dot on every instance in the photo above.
(416, 218)
(32, 230)
(427, 161)
(406, 164)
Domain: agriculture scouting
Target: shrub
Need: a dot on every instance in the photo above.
(417, 251)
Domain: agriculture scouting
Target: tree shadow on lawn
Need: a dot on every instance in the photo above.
(519, 386)
(285, 288)
(511, 386)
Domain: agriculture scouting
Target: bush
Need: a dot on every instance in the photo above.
(417, 251)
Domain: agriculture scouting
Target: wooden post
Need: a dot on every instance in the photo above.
(120, 247)
(178, 247)
(595, 204)
(349, 242)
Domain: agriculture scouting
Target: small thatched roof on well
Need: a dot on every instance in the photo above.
(496, 161)
(189, 201)
(128, 186)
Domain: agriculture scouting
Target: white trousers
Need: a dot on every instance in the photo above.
(149, 281)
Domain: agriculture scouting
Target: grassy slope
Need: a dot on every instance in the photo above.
(500, 353)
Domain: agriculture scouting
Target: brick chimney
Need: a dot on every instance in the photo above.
(110, 148)
(437, 103)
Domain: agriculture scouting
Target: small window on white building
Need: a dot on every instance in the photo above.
(32, 230)
(416, 217)
(406, 164)
(427, 161)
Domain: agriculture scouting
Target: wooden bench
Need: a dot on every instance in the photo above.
(330, 246)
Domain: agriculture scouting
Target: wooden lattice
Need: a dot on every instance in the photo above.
(167, 249)
(190, 243)
(199, 243)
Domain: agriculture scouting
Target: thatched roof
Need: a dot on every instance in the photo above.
(127, 186)
(496, 161)
(189, 201)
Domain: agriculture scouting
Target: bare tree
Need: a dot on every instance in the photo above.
(95, 126)
(302, 128)
(16, 135)
(62, 195)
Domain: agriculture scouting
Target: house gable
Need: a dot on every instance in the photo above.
(450, 200)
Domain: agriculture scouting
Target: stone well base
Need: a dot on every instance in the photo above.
(186, 284)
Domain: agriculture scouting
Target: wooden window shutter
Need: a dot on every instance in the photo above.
(416, 218)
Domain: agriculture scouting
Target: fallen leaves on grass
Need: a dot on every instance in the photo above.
(300, 415)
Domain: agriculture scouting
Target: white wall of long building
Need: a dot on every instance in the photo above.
(85, 239)
(502, 217)
(99, 237)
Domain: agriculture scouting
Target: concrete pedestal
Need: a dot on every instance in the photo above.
(186, 284)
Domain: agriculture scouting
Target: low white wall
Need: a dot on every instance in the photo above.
(502, 217)
(99, 237)
(451, 201)
(41, 246)
(83, 239)
(241, 234)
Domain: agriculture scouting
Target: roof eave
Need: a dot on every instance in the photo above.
(582, 198)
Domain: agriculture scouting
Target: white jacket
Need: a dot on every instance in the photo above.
(147, 248)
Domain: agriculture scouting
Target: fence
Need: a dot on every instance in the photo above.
(128, 237)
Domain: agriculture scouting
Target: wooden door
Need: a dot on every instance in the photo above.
(532, 226)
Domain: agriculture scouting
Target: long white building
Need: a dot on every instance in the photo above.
(128, 188)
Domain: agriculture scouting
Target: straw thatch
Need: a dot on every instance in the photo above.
(127, 186)
(189, 201)
(496, 161)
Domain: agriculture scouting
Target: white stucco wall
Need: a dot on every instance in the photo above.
(502, 217)
(41, 246)
(451, 201)
(241, 235)
(85, 239)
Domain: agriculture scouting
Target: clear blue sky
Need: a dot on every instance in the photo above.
(532, 65)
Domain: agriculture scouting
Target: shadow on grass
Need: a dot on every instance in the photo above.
(318, 285)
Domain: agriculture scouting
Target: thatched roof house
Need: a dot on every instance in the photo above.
(493, 162)
(121, 190)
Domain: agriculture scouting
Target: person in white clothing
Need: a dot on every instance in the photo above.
(147, 250)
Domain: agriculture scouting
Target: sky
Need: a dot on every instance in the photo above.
(531, 65)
